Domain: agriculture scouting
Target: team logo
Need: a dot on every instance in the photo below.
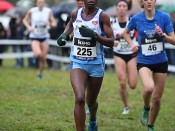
(94, 22)
(150, 33)
(118, 36)
(147, 41)
(80, 42)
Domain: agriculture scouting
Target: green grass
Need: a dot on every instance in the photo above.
(27, 104)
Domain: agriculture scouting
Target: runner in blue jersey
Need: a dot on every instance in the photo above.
(154, 28)
(89, 25)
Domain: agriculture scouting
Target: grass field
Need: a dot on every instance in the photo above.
(27, 104)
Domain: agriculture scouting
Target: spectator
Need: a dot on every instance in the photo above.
(3, 35)
(20, 36)
(13, 36)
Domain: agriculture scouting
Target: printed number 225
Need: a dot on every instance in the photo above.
(84, 52)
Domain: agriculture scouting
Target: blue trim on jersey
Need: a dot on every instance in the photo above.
(146, 29)
(101, 25)
(75, 16)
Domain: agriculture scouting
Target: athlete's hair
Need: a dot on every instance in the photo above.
(141, 5)
(35, 1)
(128, 2)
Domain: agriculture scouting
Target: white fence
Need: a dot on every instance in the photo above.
(171, 68)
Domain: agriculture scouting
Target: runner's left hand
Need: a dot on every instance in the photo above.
(158, 30)
(86, 32)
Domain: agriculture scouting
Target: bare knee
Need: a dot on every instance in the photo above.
(132, 83)
(122, 84)
(148, 89)
(132, 86)
(80, 100)
(43, 59)
(37, 55)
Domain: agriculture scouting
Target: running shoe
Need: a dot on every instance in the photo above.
(39, 77)
(126, 111)
(150, 128)
(144, 117)
(92, 126)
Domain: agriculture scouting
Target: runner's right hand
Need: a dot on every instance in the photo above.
(61, 41)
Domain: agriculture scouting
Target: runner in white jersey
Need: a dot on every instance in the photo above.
(87, 50)
(118, 27)
(124, 58)
(38, 20)
(87, 58)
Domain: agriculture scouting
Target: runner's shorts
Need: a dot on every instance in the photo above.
(94, 70)
(156, 68)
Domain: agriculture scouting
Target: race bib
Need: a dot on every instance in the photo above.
(84, 49)
(123, 46)
(151, 46)
(40, 29)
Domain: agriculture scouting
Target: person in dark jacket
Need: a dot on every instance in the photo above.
(3, 35)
